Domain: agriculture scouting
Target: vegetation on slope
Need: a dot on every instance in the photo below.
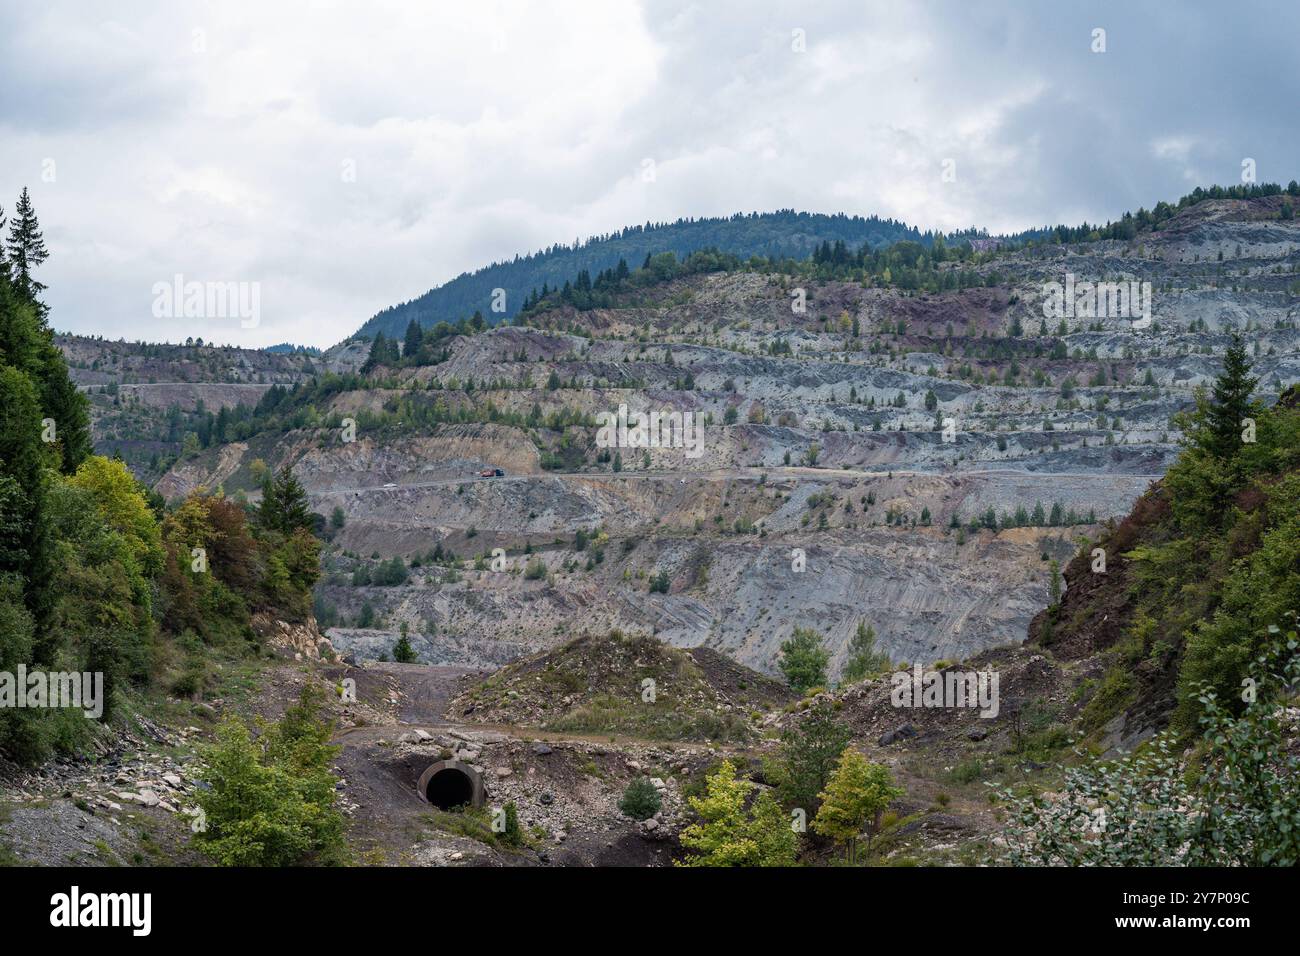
(95, 574)
(1209, 559)
(1232, 801)
(1029, 356)
(884, 252)
(777, 235)
(623, 684)
(271, 801)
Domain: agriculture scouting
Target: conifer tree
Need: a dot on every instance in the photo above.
(863, 659)
(403, 653)
(1231, 402)
(284, 503)
(26, 249)
(414, 339)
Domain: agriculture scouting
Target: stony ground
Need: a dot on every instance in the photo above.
(129, 803)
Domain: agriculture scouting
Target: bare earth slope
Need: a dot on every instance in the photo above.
(915, 460)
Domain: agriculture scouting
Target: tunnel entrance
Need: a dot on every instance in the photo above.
(449, 788)
(450, 784)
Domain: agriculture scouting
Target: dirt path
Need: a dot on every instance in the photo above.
(726, 474)
(427, 689)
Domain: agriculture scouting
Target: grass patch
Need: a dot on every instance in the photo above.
(1116, 692)
(472, 822)
(608, 714)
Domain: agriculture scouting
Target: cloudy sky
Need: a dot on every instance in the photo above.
(347, 156)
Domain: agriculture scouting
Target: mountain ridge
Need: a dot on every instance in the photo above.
(776, 234)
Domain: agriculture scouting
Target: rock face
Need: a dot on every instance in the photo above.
(853, 454)
(301, 641)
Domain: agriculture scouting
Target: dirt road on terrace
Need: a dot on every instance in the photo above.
(726, 474)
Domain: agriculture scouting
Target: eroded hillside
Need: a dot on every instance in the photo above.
(919, 460)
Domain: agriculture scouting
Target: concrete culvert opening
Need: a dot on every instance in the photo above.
(449, 784)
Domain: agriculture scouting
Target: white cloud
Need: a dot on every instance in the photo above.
(482, 130)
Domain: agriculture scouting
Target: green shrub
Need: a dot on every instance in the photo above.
(803, 660)
(1235, 804)
(968, 771)
(1116, 692)
(640, 800)
(271, 800)
(511, 834)
(724, 834)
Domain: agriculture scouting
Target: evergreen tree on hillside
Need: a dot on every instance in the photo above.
(403, 652)
(61, 401)
(26, 342)
(284, 503)
(4, 258)
(414, 339)
(809, 752)
(863, 659)
(26, 249)
(803, 660)
(382, 352)
(34, 388)
(1231, 402)
(24, 523)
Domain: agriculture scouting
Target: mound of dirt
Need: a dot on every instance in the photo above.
(626, 684)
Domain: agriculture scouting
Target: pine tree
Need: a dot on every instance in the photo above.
(284, 503)
(809, 751)
(268, 512)
(414, 339)
(382, 352)
(803, 660)
(27, 249)
(863, 659)
(61, 401)
(403, 653)
(1231, 402)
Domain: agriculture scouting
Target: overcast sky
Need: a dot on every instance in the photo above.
(348, 156)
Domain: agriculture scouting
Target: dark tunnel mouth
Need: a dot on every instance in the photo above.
(449, 788)
(450, 784)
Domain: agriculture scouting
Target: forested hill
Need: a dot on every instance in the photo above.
(769, 234)
(772, 235)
